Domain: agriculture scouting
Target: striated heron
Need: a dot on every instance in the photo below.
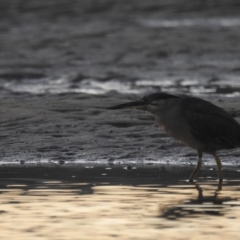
(195, 122)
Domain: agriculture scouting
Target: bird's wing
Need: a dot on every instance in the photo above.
(210, 123)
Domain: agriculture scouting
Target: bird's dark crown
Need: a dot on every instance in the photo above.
(158, 96)
(143, 102)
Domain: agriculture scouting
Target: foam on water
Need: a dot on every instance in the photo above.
(197, 22)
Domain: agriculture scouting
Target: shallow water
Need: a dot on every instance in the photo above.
(117, 203)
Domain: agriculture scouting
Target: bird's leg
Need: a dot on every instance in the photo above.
(219, 186)
(199, 165)
(219, 165)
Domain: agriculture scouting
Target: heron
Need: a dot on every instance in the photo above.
(192, 121)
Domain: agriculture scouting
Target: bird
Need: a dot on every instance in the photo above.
(197, 123)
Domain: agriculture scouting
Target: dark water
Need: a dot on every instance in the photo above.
(117, 203)
(77, 46)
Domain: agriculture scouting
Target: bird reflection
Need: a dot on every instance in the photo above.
(200, 192)
(201, 205)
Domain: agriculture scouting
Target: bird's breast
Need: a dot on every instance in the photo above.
(175, 126)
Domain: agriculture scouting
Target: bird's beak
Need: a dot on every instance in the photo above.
(134, 104)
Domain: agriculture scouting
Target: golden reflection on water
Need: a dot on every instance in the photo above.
(77, 210)
(112, 208)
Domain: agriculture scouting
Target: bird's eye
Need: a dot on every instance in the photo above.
(147, 100)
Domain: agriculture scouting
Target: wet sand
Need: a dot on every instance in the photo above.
(79, 128)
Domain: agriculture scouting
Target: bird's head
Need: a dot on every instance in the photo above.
(147, 103)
